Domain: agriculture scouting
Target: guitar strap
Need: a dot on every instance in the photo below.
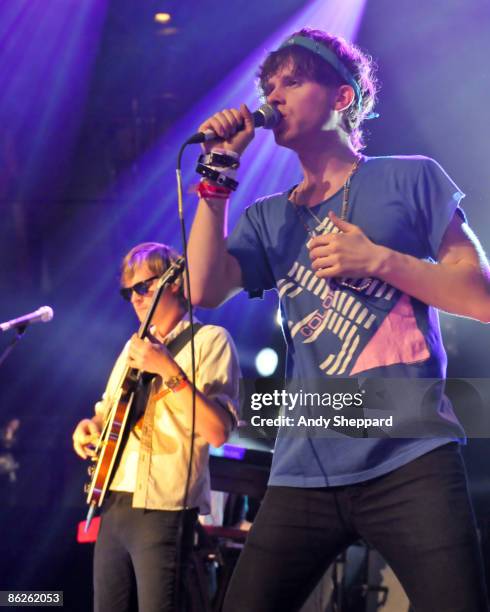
(182, 339)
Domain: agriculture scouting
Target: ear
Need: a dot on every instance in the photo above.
(345, 97)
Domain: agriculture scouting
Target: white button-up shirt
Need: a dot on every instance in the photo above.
(154, 462)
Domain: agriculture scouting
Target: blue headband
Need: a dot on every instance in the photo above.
(329, 56)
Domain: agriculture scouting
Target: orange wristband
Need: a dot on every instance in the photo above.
(176, 383)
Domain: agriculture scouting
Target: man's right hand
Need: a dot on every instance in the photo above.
(226, 125)
(85, 437)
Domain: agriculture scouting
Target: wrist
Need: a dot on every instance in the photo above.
(97, 420)
(169, 367)
(177, 382)
(208, 190)
(220, 177)
(220, 159)
(218, 168)
(382, 262)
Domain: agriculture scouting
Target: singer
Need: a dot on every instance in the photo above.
(376, 246)
(135, 553)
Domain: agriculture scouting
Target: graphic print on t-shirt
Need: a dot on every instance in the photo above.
(370, 323)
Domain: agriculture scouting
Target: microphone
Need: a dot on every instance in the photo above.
(41, 315)
(267, 116)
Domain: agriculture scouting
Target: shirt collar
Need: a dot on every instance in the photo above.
(173, 333)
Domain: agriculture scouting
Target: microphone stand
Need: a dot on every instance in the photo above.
(20, 330)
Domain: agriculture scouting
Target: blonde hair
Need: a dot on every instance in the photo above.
(157, 256)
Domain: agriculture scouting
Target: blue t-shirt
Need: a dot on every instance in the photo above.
(356, 328)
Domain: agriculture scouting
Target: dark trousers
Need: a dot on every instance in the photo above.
(418, 517)
(135, 557)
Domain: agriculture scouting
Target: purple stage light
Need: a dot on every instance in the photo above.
(47, 53)
(149, 203)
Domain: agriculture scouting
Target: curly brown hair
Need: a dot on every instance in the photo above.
(314, 67)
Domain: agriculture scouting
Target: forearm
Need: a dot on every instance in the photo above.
(213, 422)
(215, 274)
(460, 288)
(208, 255)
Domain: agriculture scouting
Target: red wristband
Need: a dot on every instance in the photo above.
(210, 190)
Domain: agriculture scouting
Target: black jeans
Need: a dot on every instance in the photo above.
(135, 557)
(418, 517)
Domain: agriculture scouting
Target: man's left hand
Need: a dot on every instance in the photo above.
(347, 253)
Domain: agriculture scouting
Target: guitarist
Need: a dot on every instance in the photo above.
(135, 553)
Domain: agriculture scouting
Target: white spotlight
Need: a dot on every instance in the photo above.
(266, 361)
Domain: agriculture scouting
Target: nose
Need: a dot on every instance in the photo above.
(275, 97)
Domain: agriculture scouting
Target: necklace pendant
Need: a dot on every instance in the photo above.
(303, 211)
(358, 285)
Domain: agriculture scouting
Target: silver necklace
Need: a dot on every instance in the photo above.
(343, 215)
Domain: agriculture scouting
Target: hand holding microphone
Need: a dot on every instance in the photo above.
(235, 128)
(225, 136)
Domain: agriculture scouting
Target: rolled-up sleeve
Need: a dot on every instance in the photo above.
(218, 370)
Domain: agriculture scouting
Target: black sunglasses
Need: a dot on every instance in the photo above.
(141, 288)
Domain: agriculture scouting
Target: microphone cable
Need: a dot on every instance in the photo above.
(187, 284)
